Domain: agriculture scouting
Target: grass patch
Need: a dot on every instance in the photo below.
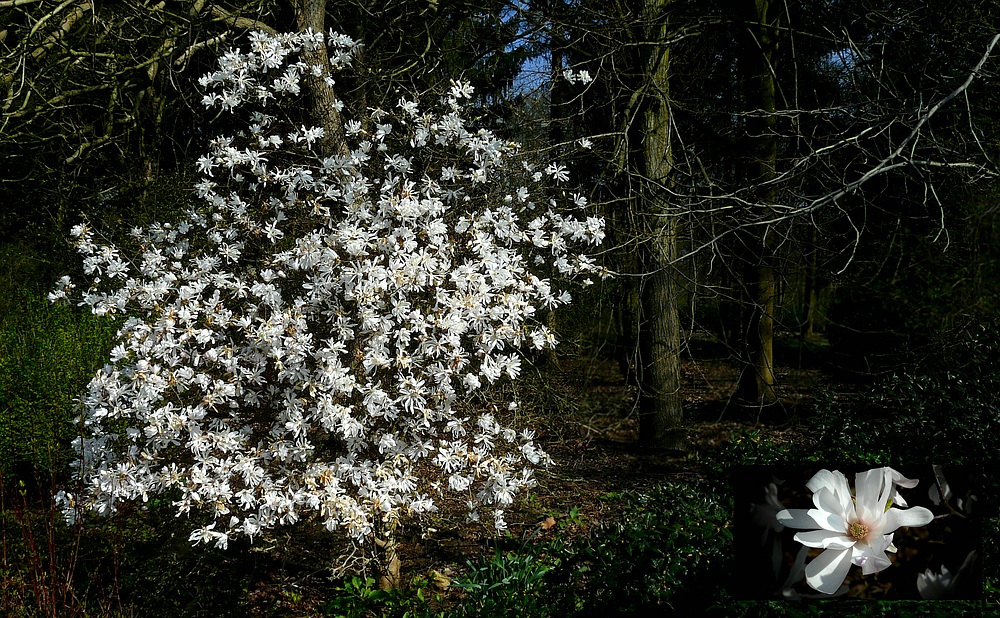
(48, 353)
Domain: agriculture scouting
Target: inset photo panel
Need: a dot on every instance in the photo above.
(858, 532)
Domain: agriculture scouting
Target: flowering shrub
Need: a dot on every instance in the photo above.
(301, 342)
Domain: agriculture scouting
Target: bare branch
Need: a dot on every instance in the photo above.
(241, 22)
(889, 163)
(7, 4)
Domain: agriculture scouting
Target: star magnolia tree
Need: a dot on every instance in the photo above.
(304, 343)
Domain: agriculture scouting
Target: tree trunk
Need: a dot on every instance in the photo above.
(387, 557)
(557, 96)
(757, 384)
(811, 295)
(660, 400)
(322, 98)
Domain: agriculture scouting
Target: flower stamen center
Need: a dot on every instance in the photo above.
(857, 530)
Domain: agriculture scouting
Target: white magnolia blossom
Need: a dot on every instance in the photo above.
(583, 76)
(851, 529)
(763, 513)
(935, 586)
(940, 492)
(303, 342)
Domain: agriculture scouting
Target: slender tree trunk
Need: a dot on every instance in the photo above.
(811, 295)
(557, 90)
(387, 556)
(757, 383)
(311, 14)
(660, 400)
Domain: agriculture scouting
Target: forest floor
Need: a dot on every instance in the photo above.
(585, 419)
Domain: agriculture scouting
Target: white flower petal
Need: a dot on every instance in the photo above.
(940, 486)
(763, 513)
(902, 481)
(823, 478)
(871, 494)
(827, 571)
(872, 558)
(916, 516)
(826, 500)
(795, 574)
(933, 586)
(835, 481)
(828, 521)
(825, 539)
(797, 518)
(875, 563)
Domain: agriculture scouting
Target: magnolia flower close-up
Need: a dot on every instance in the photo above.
(851, 529)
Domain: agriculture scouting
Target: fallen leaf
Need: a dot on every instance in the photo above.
(547, 523)
(439, 580)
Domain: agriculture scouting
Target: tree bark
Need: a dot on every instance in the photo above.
(660, 400)
(387, 557)
(757, 382)
(557, 99)
(311, 14)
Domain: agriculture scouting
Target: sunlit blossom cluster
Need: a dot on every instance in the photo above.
(305, 343)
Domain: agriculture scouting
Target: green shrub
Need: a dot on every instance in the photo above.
(671, 548)
(47, 355)
(358, 597)
(509, 583)
(947, 410)
(753, 447)
(851, 433)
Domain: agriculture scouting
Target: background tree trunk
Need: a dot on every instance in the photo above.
(660, 400)
(557, 99)
(760, 283)
(810, 296)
